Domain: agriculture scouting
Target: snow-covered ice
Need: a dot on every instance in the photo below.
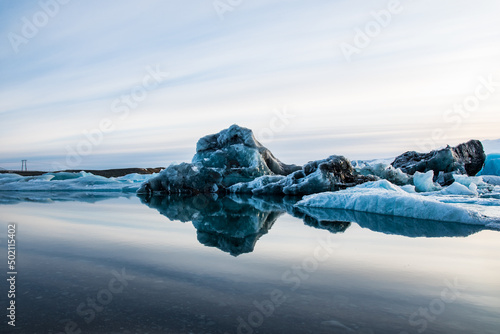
(383, 169)
(383, 197)
(65, 181)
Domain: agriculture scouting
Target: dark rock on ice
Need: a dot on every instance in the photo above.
(330, 174)
(467, 158)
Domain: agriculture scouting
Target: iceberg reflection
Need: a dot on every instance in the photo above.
(403, 226)
(234, 224)
(230, 225)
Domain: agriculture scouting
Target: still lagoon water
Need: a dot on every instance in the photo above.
(103, 263)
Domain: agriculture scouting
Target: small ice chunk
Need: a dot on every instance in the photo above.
(409, 189)
(459, 189)
(468, 180)
(424, 182)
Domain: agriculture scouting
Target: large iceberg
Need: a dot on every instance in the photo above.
(223, 159)
(427, 172)
(234, 161)
(383, 197)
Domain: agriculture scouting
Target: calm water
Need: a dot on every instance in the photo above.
(98, 264)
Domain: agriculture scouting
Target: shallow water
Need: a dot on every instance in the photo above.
(100, 263)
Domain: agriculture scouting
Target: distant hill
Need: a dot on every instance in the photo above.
(491, 146)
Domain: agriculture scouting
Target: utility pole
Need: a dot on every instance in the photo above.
(24, 165)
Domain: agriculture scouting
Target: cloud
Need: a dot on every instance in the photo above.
(264, 55)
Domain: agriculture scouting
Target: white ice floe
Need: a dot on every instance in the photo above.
(459, 189)
(64, 181)
(383, 197)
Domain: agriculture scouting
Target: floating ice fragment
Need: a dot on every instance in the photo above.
(384, 198)
(424, 182)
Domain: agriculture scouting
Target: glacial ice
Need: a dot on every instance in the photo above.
(492, 165)
(459, 189)
(72, 182)
(223, 159)
(234, 161)
(431, 186)
(330, 174)
(258, 183)
(383, 197)
(423, 182)
(382, 169)
(467, 158)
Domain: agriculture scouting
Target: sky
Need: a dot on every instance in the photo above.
(108, 84)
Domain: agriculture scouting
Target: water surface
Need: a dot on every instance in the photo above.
(101, 263)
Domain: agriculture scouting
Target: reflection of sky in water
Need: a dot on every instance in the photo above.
(371, 283)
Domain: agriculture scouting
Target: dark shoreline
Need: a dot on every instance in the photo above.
(101, 172)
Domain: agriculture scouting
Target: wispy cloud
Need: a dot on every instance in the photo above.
(263, 55)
